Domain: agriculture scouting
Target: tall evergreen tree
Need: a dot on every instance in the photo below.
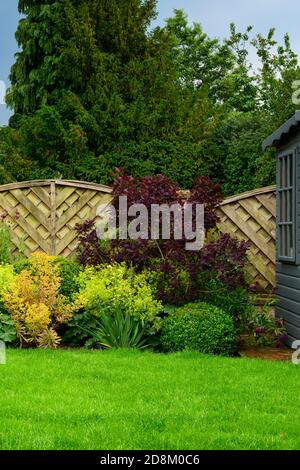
(67, 45)
(90, 81)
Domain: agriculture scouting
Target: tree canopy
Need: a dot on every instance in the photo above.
(95, 87)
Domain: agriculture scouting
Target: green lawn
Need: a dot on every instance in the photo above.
(130, 400)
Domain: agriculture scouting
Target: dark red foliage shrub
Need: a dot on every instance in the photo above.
(149, 190)
(90, 250)
(227, 257)
(209, 194)
(180, 273)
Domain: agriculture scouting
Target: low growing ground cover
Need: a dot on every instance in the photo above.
(119, 399)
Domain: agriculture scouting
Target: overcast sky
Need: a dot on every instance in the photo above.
(214, 15)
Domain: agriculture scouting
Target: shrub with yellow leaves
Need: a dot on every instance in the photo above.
(37, 319)
(6, 278)
(115, 288)
(35, 304)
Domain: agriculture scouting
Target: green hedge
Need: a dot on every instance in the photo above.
(201, 327)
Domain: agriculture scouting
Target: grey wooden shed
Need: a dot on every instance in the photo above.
(286, 140)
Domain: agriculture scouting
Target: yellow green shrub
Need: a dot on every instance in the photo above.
(117, 288)
(37, 319)
(6, 278)
(35, 304)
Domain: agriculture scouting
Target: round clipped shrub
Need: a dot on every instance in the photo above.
(199, 327)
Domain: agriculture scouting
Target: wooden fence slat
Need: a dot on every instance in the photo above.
(268, 203)
(65, 242)
(63, 195)
(42, 194)
(72, 211)
(32, 208)
(267, 225)
(250, 233)
(268, 274)
(53, 218)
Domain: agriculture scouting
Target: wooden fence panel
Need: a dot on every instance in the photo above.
(43, 214)
(252, 216)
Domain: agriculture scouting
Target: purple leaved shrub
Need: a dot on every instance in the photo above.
(180, 275)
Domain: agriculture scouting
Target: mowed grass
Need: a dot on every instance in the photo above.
(129, 400)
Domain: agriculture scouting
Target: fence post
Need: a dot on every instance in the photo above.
(53, 217)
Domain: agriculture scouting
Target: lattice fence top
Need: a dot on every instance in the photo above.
(43, 213)
(252, 216)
